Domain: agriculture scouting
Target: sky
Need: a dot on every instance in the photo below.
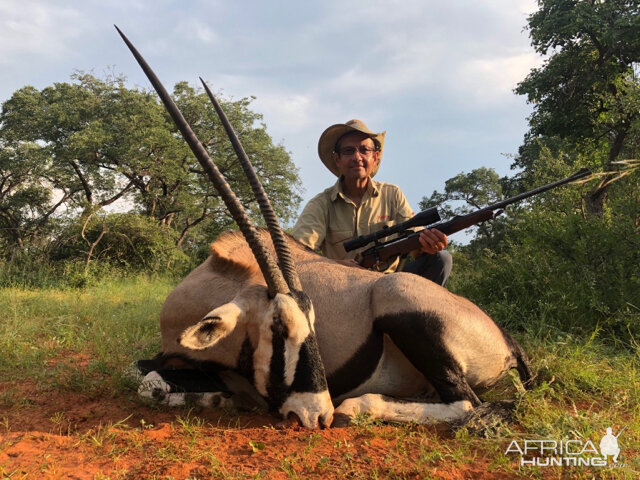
(436, 75)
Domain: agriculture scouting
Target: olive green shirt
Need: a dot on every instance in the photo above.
(330, 218)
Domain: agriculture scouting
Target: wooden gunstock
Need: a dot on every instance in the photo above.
(392, 249)
(404, 246)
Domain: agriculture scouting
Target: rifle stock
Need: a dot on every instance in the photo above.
(381, 252)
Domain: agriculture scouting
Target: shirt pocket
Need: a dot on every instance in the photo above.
(334, 241)
(335, 237)
(374, 227)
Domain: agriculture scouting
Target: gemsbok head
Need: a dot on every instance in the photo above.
(268, 326)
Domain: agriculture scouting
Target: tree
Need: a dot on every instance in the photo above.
(76, 148)
(566, 261)
(25, 205)
(466, 192)
(126, 240)
(62, 120)
(272, 162)
(586, 96)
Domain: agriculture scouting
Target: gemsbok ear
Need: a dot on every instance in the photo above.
(216, 325)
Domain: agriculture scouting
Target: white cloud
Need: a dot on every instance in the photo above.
(197, 31)
(32, 27)
(487, 80)
(425, 49)
(291, 111)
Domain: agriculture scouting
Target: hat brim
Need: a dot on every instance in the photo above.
(330, 137)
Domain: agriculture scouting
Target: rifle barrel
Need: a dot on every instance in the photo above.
(384, 251)
(620, 432)
(536, 191)
(460, 222)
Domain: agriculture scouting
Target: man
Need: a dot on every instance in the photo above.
(358, 205)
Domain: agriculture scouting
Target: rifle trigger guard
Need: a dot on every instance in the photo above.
(376, 251)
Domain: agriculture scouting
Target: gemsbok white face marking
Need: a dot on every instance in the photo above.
(283, 331)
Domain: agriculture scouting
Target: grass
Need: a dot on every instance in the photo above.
(107, 326)
(83, 340)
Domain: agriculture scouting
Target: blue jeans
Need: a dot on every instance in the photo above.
(436, 267)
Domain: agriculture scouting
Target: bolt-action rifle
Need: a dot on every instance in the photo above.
(407, 240)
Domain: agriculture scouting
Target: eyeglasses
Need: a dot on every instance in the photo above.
(364, 150)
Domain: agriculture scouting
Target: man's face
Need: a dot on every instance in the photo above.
(359, 164)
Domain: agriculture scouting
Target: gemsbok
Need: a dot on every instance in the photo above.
(310, 333)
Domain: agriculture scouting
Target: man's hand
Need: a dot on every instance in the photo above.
(432, 241)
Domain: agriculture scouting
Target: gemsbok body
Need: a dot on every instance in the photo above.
(397, 346)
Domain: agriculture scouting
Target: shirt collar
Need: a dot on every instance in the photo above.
(373, 189)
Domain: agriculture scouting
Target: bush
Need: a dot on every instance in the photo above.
(124, 241)
(125, 245)
(556, 275)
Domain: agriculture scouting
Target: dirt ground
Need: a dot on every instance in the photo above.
(53, 435)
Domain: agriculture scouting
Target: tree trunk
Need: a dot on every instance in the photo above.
(596, 198)
(92, 245)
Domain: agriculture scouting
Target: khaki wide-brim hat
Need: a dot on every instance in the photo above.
(331, 135)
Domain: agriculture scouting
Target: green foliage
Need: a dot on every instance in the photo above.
(35, 269)
(71, 149)
(23, 201)
(567, 261)
(582, 386)
(552, 271)
(586, 90)
(465, 193)
(586, 96)
(476, 189)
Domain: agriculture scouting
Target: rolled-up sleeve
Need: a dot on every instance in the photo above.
(311, 227)
(403, 209)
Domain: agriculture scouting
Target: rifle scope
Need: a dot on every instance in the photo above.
(421, 219)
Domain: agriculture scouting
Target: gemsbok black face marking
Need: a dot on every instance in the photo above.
(379, 338)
